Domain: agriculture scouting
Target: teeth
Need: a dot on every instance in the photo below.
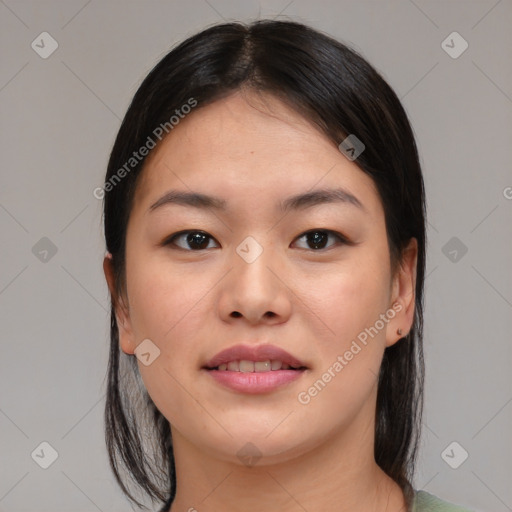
(234, 366)
(276, 365)
(245, 366)
(262, 366)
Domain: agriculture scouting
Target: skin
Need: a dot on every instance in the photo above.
(253, 151)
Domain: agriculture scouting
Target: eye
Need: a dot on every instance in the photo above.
(318, 238)
(194, 240)
(199, 240)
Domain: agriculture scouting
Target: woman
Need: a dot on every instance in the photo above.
(265, 231)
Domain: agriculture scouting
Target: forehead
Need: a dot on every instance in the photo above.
(248, 142)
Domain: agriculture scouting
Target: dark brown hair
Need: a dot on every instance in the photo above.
(333, 87)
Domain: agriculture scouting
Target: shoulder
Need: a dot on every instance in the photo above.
(425, 502)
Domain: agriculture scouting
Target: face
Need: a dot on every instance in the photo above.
(253, 267)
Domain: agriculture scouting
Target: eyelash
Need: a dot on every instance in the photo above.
(170, 240)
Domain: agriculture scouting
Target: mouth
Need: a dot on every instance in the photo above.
(246, 366)
(256, 369)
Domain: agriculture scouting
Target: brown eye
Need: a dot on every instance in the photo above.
(193, 240)
(317, 239)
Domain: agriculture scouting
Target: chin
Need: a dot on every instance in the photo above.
(253, 447)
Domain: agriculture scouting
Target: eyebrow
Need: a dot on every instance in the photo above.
(321, 196)
(194, 199)
(296, 202)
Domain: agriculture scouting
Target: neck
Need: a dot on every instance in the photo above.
(338, 475)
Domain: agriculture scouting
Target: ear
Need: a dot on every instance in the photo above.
(126, 338)
(403, 294)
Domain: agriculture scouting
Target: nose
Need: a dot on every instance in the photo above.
(255, 291)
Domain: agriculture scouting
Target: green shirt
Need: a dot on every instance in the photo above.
(425, 502)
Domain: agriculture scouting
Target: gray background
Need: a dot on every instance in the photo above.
(59, 118)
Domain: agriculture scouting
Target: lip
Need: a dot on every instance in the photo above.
(253, 353)
(254, 382)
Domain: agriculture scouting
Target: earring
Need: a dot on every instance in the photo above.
(399, 332)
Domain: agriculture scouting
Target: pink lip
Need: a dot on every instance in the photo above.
(255, 353)
(254, 382)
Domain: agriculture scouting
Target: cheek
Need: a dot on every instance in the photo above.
(168, 308)
(161, 296)
(171, 307)
(349, 299)
(348, 360)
